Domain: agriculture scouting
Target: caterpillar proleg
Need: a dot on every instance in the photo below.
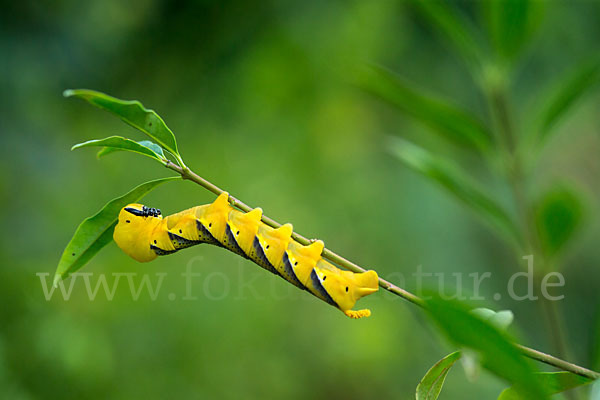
(144, 234)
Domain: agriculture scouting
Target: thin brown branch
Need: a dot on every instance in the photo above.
(188, 174)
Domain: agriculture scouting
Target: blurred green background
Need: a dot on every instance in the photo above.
(262, 99)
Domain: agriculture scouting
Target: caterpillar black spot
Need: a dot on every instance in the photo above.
(144, 234)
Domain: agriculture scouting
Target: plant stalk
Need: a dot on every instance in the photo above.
(504, 124)
(505, 131)
(188, 174)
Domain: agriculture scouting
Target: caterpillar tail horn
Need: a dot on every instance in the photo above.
(365, 283)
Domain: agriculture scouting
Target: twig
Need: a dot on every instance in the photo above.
(188, 174)
(557, 362)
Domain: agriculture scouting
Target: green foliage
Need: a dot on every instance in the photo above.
(133, 113)
(95, 232)
(431, 385)
(558, 214)
(511, 24)
(565, 93)
(449, 121)
(456, 29)
(261, 83)
(495, 349)
(118, 143)
(458, 184)
(553, 383)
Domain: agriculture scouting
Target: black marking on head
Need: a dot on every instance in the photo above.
(161, 252)
(135, 211)
(231, 243)
(144, 212)
(288, 272)
(320, 289)
(181, 242)
(261, 258)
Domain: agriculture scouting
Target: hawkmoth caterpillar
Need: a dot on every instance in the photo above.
(143, 234)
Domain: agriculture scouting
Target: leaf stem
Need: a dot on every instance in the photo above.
(557, 362)
(190, 175)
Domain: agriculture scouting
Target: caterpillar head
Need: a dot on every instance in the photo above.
(133, 231)
(346, 287)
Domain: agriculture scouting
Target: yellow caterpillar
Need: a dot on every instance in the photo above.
(144, 234)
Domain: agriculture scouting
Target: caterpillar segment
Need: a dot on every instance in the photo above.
(143, 234)
(269, 245)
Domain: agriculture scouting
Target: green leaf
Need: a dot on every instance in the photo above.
(431, 385)
(565, 94)
(458, 184)
(133, 113)
(595, 352)
(511, 23)
(495, 349)
(553, 382)
(455, 28)
(558, 214)
(449, 121)
(118, 143)
(595, 390)
(499, 319)
(146, 143)
(95, 232)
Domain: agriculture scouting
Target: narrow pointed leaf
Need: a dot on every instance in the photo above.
(558, 214)
(95, 232)
(553, 383)
(564, 96)
(511, 23)
(455, 28)
(457, 183)
(118, 143)
(431, 385)
(133, 113)
(447, 120)
(494, 348)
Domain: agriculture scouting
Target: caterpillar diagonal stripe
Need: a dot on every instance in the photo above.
(144, 234)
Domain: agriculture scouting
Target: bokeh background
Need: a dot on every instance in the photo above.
(262, 99)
